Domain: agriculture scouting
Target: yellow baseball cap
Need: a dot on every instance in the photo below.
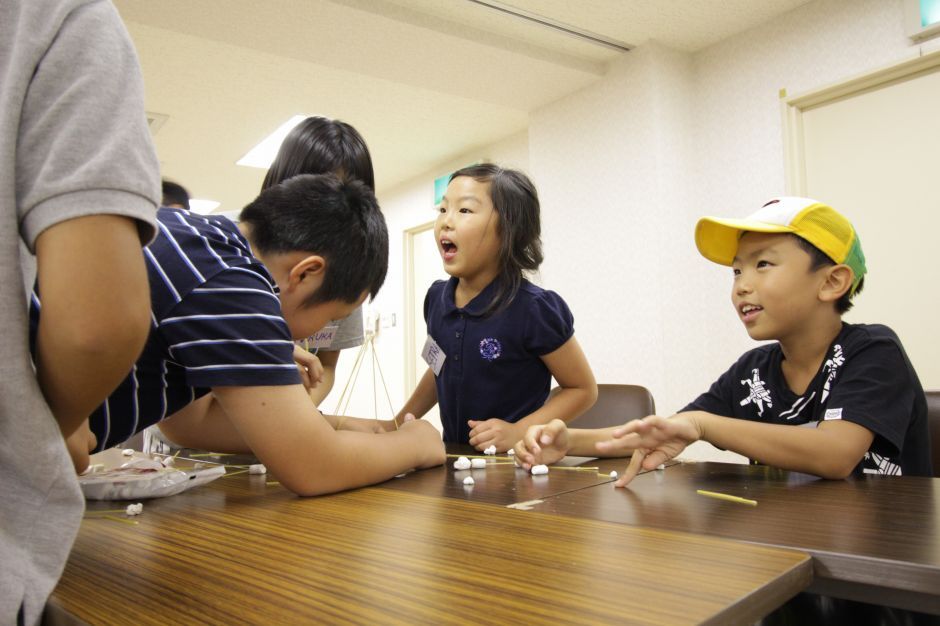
(818, 223)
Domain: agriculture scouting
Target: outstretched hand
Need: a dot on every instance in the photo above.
(653, 440)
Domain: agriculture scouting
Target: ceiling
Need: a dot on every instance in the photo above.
(424, 81)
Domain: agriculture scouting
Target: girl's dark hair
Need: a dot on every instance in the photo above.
(517, 205)
(321, 146)
(339, 220)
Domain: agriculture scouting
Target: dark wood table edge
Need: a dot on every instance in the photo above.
(758, 605)
(910, 586)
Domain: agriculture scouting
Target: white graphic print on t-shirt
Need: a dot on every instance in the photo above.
(833, 366)
(883, 465)
(759, 394)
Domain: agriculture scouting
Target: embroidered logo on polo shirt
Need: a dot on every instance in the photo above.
(490, 349)
(759, 393)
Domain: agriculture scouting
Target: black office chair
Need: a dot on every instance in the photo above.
(615, 405)
(933, 427)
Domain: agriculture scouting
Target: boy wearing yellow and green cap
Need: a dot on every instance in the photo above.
(850, 387)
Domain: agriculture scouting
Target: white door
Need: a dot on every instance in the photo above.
(423, 266)
(875, 155)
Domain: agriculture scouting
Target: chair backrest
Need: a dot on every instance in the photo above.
(615, 405)
(933, 426)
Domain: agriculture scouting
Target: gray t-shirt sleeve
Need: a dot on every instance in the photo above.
(349, 334)
(83, 146)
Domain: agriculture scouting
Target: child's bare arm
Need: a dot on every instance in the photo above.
(95, 312)
(830, 450)
(578, 389)
(549, 443)
(298, 445)
(577, 393)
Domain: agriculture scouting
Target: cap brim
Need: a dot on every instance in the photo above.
(717, 238)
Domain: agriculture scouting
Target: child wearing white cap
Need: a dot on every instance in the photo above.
(797, 264)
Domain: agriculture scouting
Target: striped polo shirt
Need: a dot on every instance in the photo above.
(216, 322)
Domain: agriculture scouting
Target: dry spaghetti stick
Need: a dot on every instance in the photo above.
(273, 482)
(120, 519)
(87, 513)
(575, 469)
(236, 473)
(202, 454)
(725, 496)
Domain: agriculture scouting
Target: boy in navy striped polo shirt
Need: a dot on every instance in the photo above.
(218, 370)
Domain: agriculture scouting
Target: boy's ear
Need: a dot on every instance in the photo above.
(310, 270)
(838, 281)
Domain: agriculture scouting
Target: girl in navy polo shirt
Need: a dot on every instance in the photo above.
(495, 340)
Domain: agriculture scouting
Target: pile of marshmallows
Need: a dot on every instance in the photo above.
(463, 463)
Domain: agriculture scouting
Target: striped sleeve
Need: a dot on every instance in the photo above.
(230, 332)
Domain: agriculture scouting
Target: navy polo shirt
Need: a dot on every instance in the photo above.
(493, 366)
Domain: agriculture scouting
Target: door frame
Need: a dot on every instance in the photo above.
(793, 107)
(411, 361)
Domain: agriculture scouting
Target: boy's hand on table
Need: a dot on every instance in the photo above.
(653, 441)
(543, 444)
(429, 441)
(311, 370)
(493, 432)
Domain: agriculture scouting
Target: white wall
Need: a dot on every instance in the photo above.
(625, 168)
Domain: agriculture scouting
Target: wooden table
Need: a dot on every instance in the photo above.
(243, 550)
(875, 539)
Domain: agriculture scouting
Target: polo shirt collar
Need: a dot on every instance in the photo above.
(475, 307)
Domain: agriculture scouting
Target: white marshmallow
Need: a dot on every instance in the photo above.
(539, 469)
(127, 452)
(169, 461)
(613, 474)
(257, 468)
(134, 509)
(462, 463)
(662, 467)
(510, 451)
(468, 481)
(478, 463)
(490, 450)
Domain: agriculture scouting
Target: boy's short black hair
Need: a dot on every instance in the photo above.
(338, 220)
(174, 194)
(819, 259)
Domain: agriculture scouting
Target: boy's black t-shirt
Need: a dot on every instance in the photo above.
(866, 379)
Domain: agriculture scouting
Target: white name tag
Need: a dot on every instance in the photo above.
(323, 338)
(433, 355)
